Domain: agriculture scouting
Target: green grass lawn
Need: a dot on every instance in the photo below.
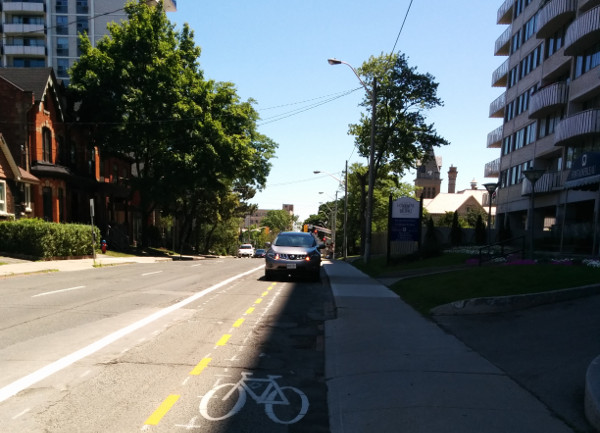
(425, 292)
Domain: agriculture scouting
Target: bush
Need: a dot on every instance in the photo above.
(37, 238)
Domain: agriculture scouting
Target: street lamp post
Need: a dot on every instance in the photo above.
(532, 175)
(369, 211)
(345, 183)
(490, 187)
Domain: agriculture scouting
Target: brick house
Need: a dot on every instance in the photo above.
(53, 159)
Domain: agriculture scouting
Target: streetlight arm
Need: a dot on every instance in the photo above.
(330, 175)
(333, 61)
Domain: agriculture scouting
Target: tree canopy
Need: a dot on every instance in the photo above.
(194, 143)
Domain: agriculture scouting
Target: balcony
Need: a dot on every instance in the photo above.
(505, 12)
(549, 182)
(583, 33)
(553, 16)
(494, 138)
(575, 127)
(548, 99)
(585, 5)
(27, 7)
(492, 169)
(21, 29)
(22, 50)
(502, 47)
(500, 75)
(497, 107)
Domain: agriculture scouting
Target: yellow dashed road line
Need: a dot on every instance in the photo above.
(162, 410)
(201, 366)
(224, 339)
(168, 403)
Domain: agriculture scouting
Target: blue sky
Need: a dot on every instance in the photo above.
(276, 52)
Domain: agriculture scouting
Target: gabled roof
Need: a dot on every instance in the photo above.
(18, 173)
(447, 202)
(35, 80)
(29, 79)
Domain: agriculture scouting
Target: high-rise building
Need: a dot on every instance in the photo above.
(550, 113)
(44, 33)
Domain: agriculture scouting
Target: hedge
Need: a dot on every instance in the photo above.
(38, 238)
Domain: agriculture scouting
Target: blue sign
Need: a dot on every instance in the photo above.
(405, 223)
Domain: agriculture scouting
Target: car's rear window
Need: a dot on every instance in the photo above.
(294, 241)
(246, 247)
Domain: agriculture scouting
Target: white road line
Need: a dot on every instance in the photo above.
(151, 273)
(58, 291)
(44, 372)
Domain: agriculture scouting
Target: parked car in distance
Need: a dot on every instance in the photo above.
(260, 253)
(294, 253)
(245, 250)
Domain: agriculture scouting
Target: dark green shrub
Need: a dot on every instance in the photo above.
(34, 237)
(480, 233)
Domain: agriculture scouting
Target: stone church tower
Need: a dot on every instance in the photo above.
(428, 175)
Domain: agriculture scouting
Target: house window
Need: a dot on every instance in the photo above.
(2, 196)
(47, 203)
(27, 197)
(46, 145)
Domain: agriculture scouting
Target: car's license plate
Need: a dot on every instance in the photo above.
(291, 265)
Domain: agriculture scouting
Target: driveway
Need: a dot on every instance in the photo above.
(546, 349)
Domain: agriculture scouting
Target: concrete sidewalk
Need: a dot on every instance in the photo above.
(17, 267)
(389, 369)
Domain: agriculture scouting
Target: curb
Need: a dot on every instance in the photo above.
(592, 393)
(501, 304)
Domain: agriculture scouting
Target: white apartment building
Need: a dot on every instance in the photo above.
(44, 33)
(550, 113)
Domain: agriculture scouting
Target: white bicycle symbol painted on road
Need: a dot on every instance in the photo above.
(279, 408)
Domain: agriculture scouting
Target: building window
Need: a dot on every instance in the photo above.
(2, 196)
(62, 67)
(529, 28)
(61, 205)
(46, 145)
(47, 203)
(588, 61)
(62, 46)
(82, 7)
(62, 25)
(82, 25)
(555, 42)
(28, 62)
(62, 6)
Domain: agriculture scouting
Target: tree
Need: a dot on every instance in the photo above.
(480, 233)
(455, 231)
(402, 98)
(192, 141)
(278, 220)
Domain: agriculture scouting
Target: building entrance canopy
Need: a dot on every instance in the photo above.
(585, 173)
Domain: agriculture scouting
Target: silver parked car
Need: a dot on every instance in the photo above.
(294, 253)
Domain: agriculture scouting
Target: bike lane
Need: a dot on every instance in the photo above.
(262, 359)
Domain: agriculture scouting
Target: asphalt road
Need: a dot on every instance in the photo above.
(546, 349)
(139, 347)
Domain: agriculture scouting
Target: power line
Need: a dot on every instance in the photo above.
(402, 26)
